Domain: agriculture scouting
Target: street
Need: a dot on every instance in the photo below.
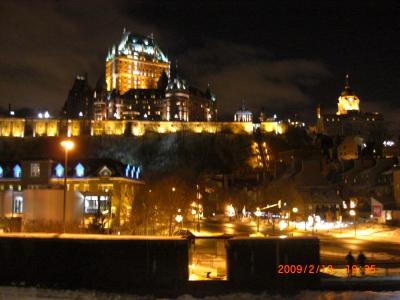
(332, 249)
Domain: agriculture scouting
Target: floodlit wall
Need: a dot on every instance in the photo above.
(12, 127)
(53, 127)
(45, 127)
(74, 128)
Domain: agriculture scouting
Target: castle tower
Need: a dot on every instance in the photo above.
(136, 62)
(348, 100)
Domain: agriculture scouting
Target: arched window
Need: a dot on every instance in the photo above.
(127, 170)
(138, 170)
(1, 172)
(132, 171)
(17, 171)
(79, 170)
(59, 169)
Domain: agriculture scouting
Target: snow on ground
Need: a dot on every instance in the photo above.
(366, 231)
(86, 236)
(18, 293)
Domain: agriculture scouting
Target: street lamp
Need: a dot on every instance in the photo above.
(179, 218)
(258, 215)
(194, 212)
(230, 210)
(67, 145)
(295, 210)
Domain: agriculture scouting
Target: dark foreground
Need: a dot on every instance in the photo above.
(159, 266)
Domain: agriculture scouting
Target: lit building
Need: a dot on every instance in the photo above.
(243, 115)
(79, 103)
(135, 63)
(350, 148)
(33, 190)
(348, 100)
(186, 103)
(143, 104)
(350, 121)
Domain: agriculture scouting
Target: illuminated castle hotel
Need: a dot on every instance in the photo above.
(139, 86)
(135, 63)
(349, 120)
(139, 94)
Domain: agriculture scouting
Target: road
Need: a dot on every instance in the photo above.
(333, 250)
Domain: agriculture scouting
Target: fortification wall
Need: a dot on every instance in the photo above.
(13, 127)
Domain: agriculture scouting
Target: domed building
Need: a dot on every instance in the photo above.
(243, 115)
(350, 121)
(176, 102)
(186, 103)
(348, 100)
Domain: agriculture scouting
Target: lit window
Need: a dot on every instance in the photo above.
(138, 170)
(1, 172)
(105, 172)
(17, 171)
(127, 171)
(95, 204)
(35, 169)
(18, 205)
(79, 170)
(59, 169)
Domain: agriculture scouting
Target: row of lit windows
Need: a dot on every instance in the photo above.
(338, 120)
(17, 172)
(35, 170)
(144, 97)
(10, 187)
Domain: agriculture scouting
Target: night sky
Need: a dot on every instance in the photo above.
(284, 56)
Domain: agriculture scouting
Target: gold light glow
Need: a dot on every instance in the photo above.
(67, 145)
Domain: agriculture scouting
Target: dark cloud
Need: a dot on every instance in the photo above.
(287, 58)
(238, 72)
(46, 43)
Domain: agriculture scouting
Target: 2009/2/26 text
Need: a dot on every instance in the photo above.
(304, 269)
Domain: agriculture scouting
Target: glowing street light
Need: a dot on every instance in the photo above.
(282, 225)
(258, 215)
(295, 210)
(230, 211)
(353, 204)
(67, 145)
(194, 213)
(179, 218)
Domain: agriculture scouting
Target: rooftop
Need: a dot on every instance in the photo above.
(134, 44)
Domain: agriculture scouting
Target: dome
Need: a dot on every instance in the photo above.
(243, 115)
(348, 100)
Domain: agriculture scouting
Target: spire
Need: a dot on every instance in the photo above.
(347, 84)
(243, 106)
